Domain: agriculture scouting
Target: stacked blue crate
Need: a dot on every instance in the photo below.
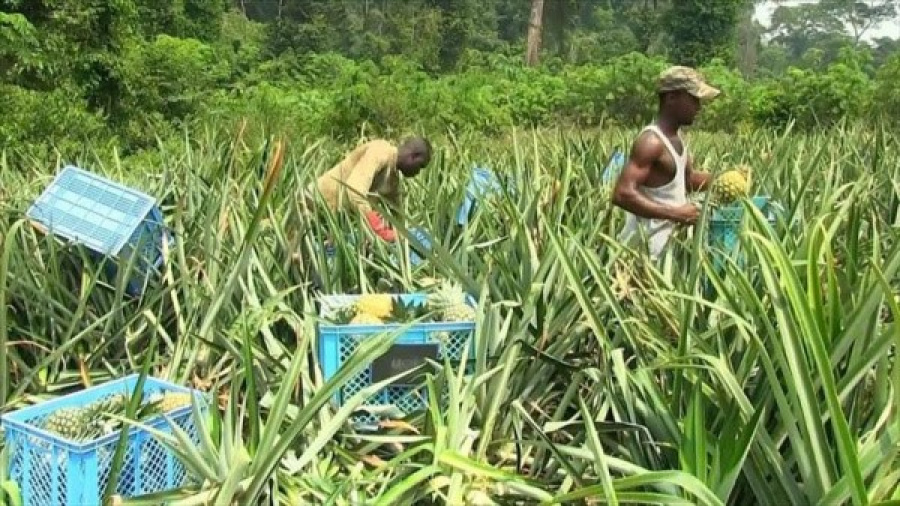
(108, 218)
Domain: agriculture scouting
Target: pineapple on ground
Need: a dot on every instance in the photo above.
(450, 301)
(732, 185)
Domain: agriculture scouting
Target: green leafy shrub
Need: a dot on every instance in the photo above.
(42, 119)
(816, 99)
(171, 75)
(731, 110)
(885, 94)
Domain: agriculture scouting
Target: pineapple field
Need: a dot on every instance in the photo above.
(764, 377)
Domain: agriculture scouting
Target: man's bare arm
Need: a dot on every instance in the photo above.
(645, 151)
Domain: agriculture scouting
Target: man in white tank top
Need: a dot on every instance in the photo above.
(654, 183)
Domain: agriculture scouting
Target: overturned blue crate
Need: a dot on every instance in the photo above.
(336, 343)
(108, 218)
(53, 471)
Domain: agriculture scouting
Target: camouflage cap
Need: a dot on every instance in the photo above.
(687, 79)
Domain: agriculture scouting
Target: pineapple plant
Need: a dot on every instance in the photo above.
(449, 300)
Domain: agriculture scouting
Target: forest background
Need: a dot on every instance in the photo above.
(132, 75)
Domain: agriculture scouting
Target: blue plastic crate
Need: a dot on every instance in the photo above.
(725, 226)
(614, 167)
(53, 471)
(336, 343)
(726, 222)
(422, 236)
(106, 217)
(483, 182)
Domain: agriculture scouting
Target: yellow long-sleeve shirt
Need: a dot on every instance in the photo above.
(370, 168)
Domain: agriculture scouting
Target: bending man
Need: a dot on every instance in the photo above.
(374, 169)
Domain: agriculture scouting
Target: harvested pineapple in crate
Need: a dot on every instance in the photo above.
(446, 324)
(61, 450)
(728, 190)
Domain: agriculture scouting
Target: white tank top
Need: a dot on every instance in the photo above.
(674, 193)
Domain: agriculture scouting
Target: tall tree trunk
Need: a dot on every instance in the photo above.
(535, 27)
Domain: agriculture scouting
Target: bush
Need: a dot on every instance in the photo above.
(731, 111)
(816, 99)
(885, 95)
(168, 82)
(170, 76)
(42, 119)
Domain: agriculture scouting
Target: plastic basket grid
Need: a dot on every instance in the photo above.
(725, 227)
(726, 223)
(338, 342)
(53, 471)
(108, 218)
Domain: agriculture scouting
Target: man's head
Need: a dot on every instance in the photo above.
(682, 90)
(412, 155)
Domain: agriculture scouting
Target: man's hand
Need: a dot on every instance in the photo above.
(695, 180)
(382, 229)
(686, 214)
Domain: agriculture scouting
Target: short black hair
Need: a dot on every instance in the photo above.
(418, 145)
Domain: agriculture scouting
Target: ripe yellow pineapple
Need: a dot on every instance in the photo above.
(378, 305)
(732, 185)
(174, 400)
(366, 319)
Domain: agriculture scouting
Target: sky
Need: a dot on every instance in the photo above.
(890, 28)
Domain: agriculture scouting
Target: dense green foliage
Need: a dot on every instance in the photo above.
(133, 72)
